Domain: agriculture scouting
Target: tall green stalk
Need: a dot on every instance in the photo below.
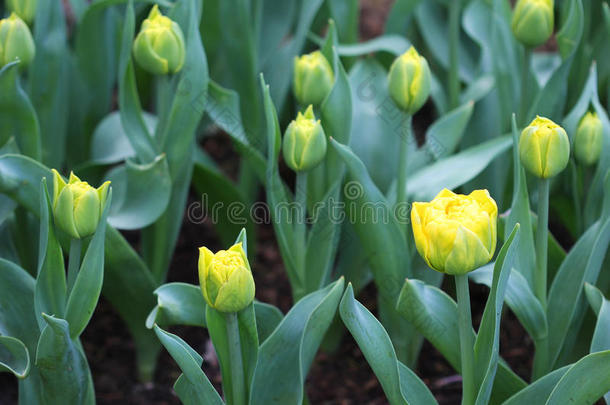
(454, 43)
(466, 339)
(540, 277)
(525, 69)
(73, 262)
(237, 365)
(300, 228)
(401, 187)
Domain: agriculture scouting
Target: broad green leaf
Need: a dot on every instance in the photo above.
(50, 295)
(601, 335)
(394, 44)
(487, 344)
(88, 285)
(48, 80)
(200, 389)
(62, 365)
(288, 353)
(141, 193)
(110, 143)
(434, 314)
(400, 384)
(456, 170)
(582, 264)
(18, 118)
(585, 382)
(520, 298)
(539, 391)
(217, 327)
(14, 357)
(178, 304)
(278, 16)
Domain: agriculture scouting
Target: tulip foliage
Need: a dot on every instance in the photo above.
(468, 143)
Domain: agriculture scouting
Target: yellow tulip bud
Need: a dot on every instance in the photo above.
(456, 233)
(313, 78)
(226, 279)
(588, 139)
(26, 9)
(532, 21)
(304, 143)
(544, 148)
(409, 81)
(77, 207)
(159, 47)
(16, 42)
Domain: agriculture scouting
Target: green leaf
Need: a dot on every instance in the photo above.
(487, 344)
(18, 118)
(178, 304)
(48, 80)
(14, 357)
(434, 314)
(539, 391)
(400, 384)
(199, 389)
(565, 303)
(601, 335)
(288, 353)
(110, 143)
(394, 44)
(88, 285)
(585, 382)
(62, 365)
(248, 339)
(520, 298)
(141, 193)
(50, 295)
(456, 170)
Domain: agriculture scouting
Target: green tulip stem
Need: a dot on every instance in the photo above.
(236, 361)
(454, 42)
(542, 241)
(73, 262)
(401, 186)
(466, 339)
(300, 227)
(527, 60)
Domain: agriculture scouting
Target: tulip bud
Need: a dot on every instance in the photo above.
(16, 42)
(25, 9)
(159, 47)
(226, 279)
(313, 78)
(456, 233)
(77, 207)
(304, 144)
(588, 139)
(409, 81)
(544, 148)
(532, 21)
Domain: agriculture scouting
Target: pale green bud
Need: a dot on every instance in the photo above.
(409, 81)
(544, 148)
(226, 279)
(532, 21)
(313, 78)
(77, 207)
(16, 42)
(159, 47)
(26, 9)
(588, 139)
(304, 144)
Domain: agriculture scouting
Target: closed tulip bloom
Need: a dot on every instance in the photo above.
(409, 81)
(16, 42)
(544, 148)
(588, 139)
(456, 233)
(532, 21)
(159, 47)
(313, 78)
(226, 279)
(26, 9)
(77, 207)
(304, 144)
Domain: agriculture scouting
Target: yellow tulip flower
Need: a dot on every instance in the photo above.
(456, 233)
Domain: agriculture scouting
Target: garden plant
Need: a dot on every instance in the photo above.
(262, 202)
